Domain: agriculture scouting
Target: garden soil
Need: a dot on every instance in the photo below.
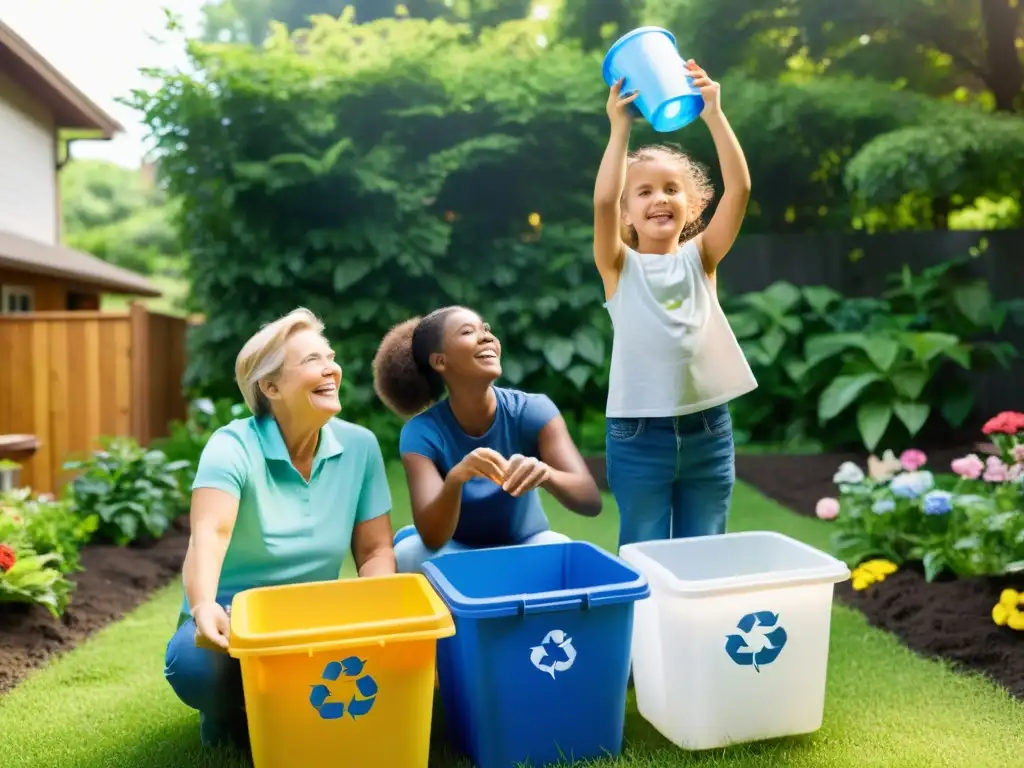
(115, 581)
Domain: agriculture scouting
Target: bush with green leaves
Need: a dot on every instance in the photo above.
(378, 171)
(188, 438)
(135, 493)
(834, 372)
(45, 525)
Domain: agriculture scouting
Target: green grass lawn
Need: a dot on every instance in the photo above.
(107, 704)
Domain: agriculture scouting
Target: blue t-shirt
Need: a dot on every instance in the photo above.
(489, 515)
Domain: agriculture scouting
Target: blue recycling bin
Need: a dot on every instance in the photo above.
(647, 57)
(536, 672)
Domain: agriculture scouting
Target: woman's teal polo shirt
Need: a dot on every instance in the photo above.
(287, 530)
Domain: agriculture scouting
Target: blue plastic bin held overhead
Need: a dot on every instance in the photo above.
(536, 672)
(647, 57)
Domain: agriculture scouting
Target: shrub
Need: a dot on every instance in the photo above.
(969, 521)
(45, 525)
(135, 493)
(27, 577)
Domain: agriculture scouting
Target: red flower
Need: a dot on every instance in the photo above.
(1005, 423)
(7, 557)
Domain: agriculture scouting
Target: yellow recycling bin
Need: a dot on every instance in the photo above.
(340, 672)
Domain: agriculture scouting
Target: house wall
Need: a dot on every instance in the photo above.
(51, 294)
(28, 159)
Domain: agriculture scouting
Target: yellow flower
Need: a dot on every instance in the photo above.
(401, 10)
(860, 581)
(1010, 598)
(534, 220)
(1008, 611)
(880, 568)
(1016, 621)
(1000, 614)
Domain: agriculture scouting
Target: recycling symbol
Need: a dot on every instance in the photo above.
(362, 700)
(555, 653)
(756, 644)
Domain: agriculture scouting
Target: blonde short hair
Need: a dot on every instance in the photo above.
(263, 354)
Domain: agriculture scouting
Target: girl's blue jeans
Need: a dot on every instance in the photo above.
(210, 682)
(672, 477)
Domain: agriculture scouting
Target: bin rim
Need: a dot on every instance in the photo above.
(528, 603)
(831, 571)
(435, 624)
(606, 65)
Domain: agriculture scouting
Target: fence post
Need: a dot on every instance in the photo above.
(139, 321)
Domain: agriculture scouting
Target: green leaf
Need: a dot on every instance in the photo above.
(820, 297)
(961, 355)
(909, 382)
(744, 324)
(579, 375)
(841, 393)
(913, 415)
(934, 563)
(872, 420)
(927, 346)
(350, 271)
(512, 370)
(558, 353)
(590, 345)
(772, 343)
(957, 406)
(974, 300)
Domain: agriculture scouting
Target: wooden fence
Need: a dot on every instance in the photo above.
(70, 378)
(857, 265)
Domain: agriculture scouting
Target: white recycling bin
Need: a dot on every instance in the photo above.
(732, 645)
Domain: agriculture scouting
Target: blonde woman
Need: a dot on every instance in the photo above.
(280, 497)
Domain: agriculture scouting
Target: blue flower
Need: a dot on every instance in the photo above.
(938, 503)
(910, 485)
(882, 506)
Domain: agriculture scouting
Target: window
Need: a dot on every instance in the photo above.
(15, 299)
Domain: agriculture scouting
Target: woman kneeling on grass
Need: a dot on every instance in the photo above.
(474, 459)
(279, 498)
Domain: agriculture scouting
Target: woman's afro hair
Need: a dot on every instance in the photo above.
(397, 379)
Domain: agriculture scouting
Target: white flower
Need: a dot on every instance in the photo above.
(848, 474)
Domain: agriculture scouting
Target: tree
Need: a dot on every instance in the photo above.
(935, 46)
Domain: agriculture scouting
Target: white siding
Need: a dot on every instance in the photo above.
(28, 176)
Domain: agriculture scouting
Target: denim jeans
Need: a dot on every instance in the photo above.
(210, 682)
(411, 553)
(672, 477)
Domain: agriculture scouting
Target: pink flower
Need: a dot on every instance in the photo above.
(913, 459)
(995, 470)
(1018, 453)
(968, 467)
(827, 508)
(1015, 473)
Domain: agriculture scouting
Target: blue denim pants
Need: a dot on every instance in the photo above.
(210, 682)
(672, 477)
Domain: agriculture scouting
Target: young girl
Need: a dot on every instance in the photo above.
(474, 459)
(675, 360)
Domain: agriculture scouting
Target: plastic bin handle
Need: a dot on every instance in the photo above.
(527, 607)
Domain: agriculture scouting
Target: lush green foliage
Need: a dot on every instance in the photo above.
(969, 522)
(377, 171)
(901, 359)
(43, 538)
(135, 493)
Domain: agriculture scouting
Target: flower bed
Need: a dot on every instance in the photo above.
(938, 557)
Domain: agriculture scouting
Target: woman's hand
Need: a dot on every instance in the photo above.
(710, 91)
(618, 106)
(483, 462)
(524, 474)
(212, 623)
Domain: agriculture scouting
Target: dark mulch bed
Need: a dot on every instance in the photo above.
(951, 620)
(115, 581)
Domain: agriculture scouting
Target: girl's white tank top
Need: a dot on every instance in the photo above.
(673, 351)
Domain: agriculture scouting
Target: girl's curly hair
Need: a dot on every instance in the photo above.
(402, 376)
(699, 191)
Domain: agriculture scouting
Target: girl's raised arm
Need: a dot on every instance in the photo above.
(715, 241)
(611, 176)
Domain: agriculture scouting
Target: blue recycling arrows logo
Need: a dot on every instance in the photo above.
(361, 701)
(759, 642)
